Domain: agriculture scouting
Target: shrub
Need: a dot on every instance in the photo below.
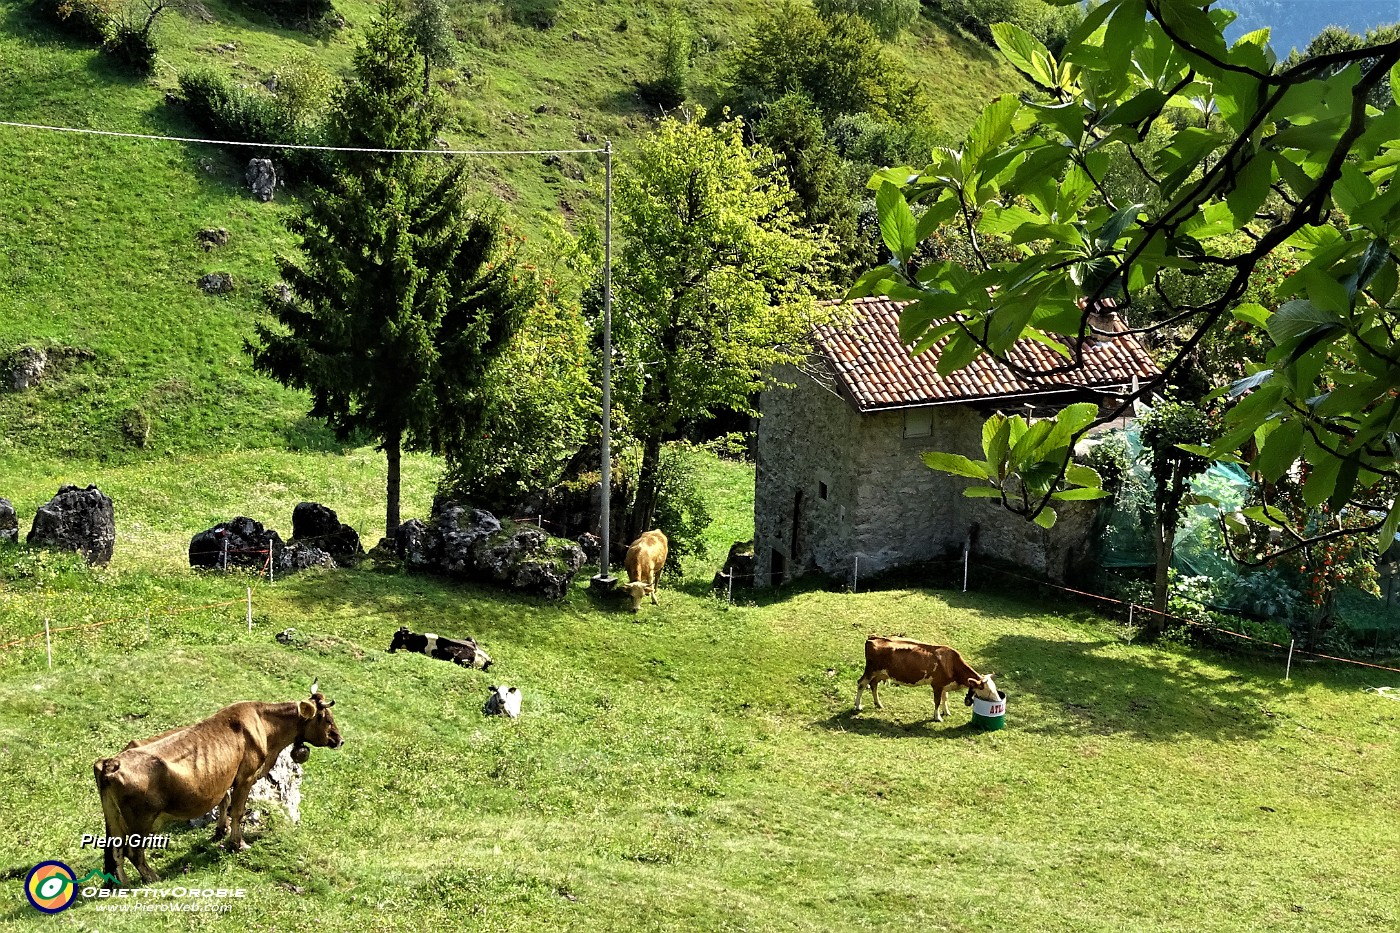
(132, 44)
(667, 89)
(537, 14)
(228, 111)
(888, 17)
(92, 20)
(680, 506)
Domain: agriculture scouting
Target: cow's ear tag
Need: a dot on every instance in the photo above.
(307, 709)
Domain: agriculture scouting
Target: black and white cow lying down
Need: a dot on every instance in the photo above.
(459, 651)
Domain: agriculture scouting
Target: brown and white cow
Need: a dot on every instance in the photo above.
(186, 772)
(645, 558)
(915, 663)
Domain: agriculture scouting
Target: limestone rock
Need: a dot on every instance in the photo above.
(217, 283)
(211, 237)
(526, 559)
(318, 526)
(242, 542)
(297, 556)
(80, 520)
(261, 178)
(417, 545)
(27, 368)
(9, 523)
(459, 530)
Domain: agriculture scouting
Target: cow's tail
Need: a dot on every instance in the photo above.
(106, 771)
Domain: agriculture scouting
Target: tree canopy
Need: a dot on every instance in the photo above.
(713, 282)
(1252, 163)
(403, 293)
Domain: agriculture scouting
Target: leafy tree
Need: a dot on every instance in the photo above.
(430, 25)
(1164, 429)
(888, 17)
(713, 283)
(838, 63)
(667, 89)
(403, 294)
(1304, 140)
(819, 178)
(1335, 39)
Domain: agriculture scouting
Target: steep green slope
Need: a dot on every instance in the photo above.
(99, 262)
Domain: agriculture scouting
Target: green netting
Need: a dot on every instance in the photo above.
(1199, 550)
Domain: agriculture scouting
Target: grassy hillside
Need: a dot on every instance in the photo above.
(98, 258)
(695, 768)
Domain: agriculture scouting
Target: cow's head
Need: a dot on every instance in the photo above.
(400, 638)
(480, 659)
(638, 592)
(317, 723)
(981, 687)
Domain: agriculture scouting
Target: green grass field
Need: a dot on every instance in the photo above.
(696, 768)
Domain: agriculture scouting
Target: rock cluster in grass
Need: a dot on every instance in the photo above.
(217, 283)
(473, 544)
(9, 523)
(80, 520)
(242, 542)
(317, 526)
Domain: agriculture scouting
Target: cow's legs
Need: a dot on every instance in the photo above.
(860, 689)
(141, 825)
(940, 702)
(112, 864)
(875, 694)
(221, 824)
(238, 802)
(653, 594)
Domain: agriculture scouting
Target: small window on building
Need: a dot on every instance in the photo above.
(821, 490)
(918, 422)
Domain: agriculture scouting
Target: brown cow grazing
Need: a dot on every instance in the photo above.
(645, 558)
(916, 664)
(184, 773)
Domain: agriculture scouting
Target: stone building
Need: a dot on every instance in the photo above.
(840, 480)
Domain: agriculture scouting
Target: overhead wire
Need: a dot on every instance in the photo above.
(302, 146)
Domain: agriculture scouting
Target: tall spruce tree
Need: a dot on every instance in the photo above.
(405, 292)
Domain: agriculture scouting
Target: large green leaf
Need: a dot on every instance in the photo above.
(956, 464)
(1026, 54)
(897, 226)
(1297, 318)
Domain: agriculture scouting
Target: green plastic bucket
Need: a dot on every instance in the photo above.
(989, 714)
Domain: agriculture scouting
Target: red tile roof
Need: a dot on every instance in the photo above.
(879, 372)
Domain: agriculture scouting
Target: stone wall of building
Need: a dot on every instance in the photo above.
(808, 437)
(882, 503)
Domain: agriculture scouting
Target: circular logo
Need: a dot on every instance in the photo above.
(50, 887)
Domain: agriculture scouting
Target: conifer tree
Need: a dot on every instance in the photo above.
(404, 291)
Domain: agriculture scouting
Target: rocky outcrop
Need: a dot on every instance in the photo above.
(80, 520)
(738, 567)
(296, 556)
(261, 178)
(280, 788)
(9, 523)
(473, 544)
(239, 543)
(27, 367)
(216, 283)
(317, 526)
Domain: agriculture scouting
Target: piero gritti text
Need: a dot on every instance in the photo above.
(135, 841)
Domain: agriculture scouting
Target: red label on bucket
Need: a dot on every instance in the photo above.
(998, 710)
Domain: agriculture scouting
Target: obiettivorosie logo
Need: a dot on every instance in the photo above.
(52, 886)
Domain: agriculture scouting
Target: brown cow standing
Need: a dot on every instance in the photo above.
(916, 664)
(645, 558)
(184, 773)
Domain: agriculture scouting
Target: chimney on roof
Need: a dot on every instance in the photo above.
(1103, 319)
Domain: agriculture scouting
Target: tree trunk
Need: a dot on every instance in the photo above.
(1161, 581)
(427, 74)
(393, 449)
(644, 509)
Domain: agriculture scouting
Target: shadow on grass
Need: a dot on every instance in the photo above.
(1153, 696)
(878, 723)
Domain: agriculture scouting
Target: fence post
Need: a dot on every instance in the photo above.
(223, 561)
(730, 596)
(966, 551)
(1131, 607)
(1288, 671)
(250, 608)
(855, 577)
(48, 643)
(269, 558)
